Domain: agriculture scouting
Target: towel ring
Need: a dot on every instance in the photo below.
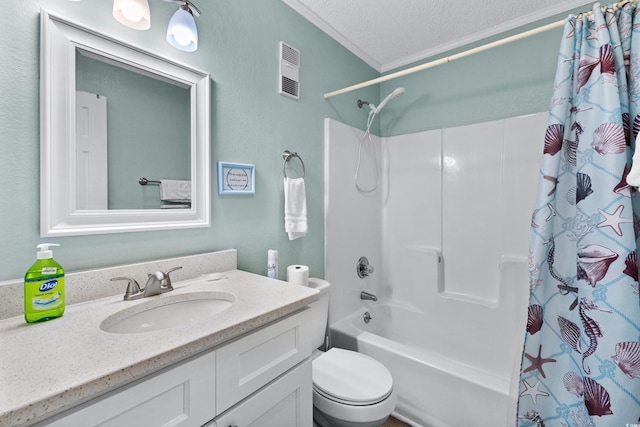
(287, 155)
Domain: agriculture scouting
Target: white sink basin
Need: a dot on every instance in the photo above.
(164, 311)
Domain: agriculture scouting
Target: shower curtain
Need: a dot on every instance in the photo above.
(581, 359)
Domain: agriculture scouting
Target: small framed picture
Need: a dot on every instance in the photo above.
(236, 178)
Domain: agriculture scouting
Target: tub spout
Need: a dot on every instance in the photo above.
(367, 296)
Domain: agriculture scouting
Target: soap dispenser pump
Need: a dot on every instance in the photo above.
(44, 287)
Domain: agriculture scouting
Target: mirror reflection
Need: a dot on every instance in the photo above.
(129, 124)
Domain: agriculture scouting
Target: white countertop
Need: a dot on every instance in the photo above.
(51, 366)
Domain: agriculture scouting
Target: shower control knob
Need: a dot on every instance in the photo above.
(363, 268)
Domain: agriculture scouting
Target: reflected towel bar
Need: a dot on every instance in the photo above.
(145, 181)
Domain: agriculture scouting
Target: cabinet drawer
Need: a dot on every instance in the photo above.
(250, 362)
(182, 396)
(285, 402)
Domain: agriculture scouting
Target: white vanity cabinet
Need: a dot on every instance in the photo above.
(181, 395)
(262, 378)
(287, 402)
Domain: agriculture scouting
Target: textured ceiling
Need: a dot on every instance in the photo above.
(388, 34)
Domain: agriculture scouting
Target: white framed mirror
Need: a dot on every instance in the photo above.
(79, 197)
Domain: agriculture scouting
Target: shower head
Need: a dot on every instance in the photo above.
(399, 91)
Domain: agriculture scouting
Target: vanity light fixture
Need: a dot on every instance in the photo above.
(132, 13)
(182, 32)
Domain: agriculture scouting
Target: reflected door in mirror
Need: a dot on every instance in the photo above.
(91, 151)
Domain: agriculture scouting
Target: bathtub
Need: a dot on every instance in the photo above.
(437, 385)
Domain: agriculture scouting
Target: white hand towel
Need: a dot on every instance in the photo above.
(295, 208)
(175, 191)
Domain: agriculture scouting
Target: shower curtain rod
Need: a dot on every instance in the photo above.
(469, 52)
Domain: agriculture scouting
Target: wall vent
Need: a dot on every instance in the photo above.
(289, 84)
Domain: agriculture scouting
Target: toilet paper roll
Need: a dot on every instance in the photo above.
(272, 263)
(298, 275)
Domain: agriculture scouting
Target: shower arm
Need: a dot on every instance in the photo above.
(399, 91)
(361, 103)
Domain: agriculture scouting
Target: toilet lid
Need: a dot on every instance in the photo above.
(352, 377)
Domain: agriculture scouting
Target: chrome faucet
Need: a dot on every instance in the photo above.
(157, 283)
(367, 296)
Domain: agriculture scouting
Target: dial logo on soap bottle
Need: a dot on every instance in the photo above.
(47, 286)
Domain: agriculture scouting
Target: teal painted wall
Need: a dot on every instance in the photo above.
(250, 122)
(506, 81)
(148, 131)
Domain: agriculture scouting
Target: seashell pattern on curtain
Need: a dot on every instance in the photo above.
(581, 358)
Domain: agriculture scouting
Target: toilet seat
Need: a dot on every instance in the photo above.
(347, 402)
(351, 378)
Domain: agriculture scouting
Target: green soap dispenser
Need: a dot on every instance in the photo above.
(44, 287)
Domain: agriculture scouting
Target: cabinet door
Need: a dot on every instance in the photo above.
(252, 361)
(183, 395)
(286, 402)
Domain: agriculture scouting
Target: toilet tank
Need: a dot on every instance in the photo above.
(319, 311)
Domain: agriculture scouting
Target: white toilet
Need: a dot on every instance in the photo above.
(350, 389)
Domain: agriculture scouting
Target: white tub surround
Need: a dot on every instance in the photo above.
(447, 233)
(426, 372)
(49, 367)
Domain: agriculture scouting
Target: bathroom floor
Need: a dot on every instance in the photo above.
(392, 422)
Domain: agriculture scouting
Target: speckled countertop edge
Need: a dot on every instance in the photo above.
(49, 367)
(87, 285)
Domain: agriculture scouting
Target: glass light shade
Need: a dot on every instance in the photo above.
(132, 13)
(182, 32)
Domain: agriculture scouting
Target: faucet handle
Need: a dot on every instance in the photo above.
(363, 268)
(167, 283)
(133, 288)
